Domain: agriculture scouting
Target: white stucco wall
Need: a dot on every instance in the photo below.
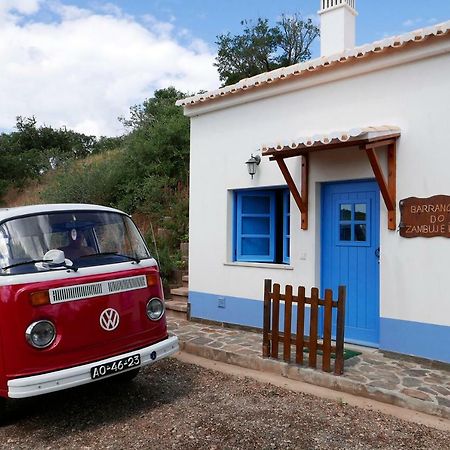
(414, 273)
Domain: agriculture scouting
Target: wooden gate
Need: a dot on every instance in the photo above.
(273, 337)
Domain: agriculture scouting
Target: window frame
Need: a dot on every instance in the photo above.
(286, 227)
(352, 222)
(279, 232)
(239, 255)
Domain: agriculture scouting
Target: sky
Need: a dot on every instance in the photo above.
(83, 63)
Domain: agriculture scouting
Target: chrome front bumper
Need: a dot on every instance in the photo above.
(76, 376)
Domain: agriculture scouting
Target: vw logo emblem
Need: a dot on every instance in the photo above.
(109, 319)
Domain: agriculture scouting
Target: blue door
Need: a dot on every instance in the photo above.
(350, 254)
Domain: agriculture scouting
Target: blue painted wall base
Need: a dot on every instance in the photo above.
(399, 336)
(415, 338)
(238, 311)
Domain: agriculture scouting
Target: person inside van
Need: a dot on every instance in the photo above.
(77, 246)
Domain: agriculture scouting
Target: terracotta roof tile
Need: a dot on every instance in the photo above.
(296, 70)
(354, 134)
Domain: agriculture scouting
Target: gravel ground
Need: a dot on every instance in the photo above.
(174, 405)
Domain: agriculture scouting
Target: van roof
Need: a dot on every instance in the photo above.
(18, 211)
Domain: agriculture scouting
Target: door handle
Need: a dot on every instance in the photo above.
(377, 254)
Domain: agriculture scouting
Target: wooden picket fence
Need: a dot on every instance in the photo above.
(272, 337)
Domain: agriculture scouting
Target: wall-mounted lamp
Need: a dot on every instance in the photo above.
(252, 163)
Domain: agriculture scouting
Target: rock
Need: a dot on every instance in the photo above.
(416, 394)
(411, 382)
(383, 384)
(442, 390)
(443, 401)
(417, 372)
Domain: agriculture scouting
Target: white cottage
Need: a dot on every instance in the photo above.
(344, 142)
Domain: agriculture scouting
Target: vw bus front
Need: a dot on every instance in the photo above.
(81, 299)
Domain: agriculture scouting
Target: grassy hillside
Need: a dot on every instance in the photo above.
(33, 192)
(146, 174)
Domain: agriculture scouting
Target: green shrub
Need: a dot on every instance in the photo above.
(87, 181)
(167, 257)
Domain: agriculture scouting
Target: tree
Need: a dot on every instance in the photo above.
(261, 48)
(33, 150)
(147, 176)
(158, 142)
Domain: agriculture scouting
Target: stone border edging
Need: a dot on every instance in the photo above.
(315, 377)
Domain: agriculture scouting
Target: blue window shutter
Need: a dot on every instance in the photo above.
(286, 227)
(255, 226)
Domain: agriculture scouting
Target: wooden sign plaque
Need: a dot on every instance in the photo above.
(425, 217)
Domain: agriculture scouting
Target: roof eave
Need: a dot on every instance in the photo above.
(356, 141)
(282, 80)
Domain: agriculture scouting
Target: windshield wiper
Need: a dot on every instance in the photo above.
(131, 258)
(24, 263)
(34, 261)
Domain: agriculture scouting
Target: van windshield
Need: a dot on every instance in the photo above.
(87, 238)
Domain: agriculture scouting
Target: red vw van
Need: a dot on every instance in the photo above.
(80, 299)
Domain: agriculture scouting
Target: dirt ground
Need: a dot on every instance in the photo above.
(174, 405)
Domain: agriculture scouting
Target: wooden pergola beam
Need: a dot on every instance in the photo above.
(382, 143)
(388, 189)
(304, 190)
(392, 184)
(300, 199)
(288, 152)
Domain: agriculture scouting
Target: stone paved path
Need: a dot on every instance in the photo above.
(409, 383)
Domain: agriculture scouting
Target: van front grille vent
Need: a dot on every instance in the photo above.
(127, 284)
(75, 292)
(89, 290)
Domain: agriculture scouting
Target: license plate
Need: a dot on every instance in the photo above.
(119, 365)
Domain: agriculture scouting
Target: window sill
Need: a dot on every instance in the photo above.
(259, 265)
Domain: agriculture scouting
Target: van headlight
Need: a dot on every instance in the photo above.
(155, 308)
(41, 334)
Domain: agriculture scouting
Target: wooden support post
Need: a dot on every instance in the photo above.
(304, 190)
(266, 320)
(300, 339)
(392, 183)
(339, 361)
(275, 319)
(326, 358)
(313, 327)
(287, 323)
(375, 163)
(301, 203)
(388, 189)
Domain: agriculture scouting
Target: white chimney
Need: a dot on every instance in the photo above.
(337, 26)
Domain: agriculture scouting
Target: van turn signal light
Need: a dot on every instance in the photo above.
(39, 298)
(152, 279)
